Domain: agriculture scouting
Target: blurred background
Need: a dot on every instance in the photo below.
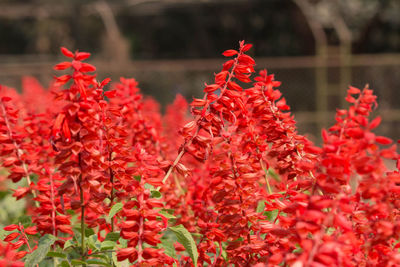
(315, 47)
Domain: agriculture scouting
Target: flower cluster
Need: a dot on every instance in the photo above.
(109, 179)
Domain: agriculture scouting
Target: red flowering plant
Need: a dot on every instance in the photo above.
(107, 180)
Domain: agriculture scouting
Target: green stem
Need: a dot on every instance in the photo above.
(82, 219)
(112, 190)
(266, 176)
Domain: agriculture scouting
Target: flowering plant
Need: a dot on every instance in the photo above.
(110, 181)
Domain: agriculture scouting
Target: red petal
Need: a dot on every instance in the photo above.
(66, 131)
(110, 94)
(105, 82)
(31, 230)
(383, 140)
(87, 68)
(234, 86)
(247, 47)
(66, 52)
(342, 221)
(211, 88)
(11, 237)
(21, 192)
(352, 90)
(65, 229)
(245, 59)
(62, 66)
(221, 77)
(9, 161)
(58, 123)
(124, 253)
(20, 254)
(227, 65)
(229, 53)
(10, 227)
(375, 123)
(18, 244)
(82, 56)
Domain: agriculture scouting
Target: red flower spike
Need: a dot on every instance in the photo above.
(237, 159)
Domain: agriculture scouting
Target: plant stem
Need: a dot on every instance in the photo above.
(112, 190)
(18, 151)
(178, 158)
(82, 200)
(266, 176)
(82, 218)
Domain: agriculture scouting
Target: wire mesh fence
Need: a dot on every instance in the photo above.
(301, 85)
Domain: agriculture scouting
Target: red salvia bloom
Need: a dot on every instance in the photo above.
(237, 175)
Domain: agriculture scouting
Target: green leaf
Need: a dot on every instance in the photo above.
(3, 233)
(56, 254)
(78, 262)
(97, 262)
(137, 177)
(89, 232)
(25, 220)
(271, 172)
(260, 206)
(71, 212)
(123, 243)
(105, 245)
(298, 249)
(40, 253)
(114, 210)
(69, 243)
(166, 214)
(169, 248)
(92, 242)
(3, 194)
(198, 235)
(186, 239)
(148, 186)
(155, 194)
(112, 236)
(271, 215)
(65, 264)
(115, 260)
(100, 256)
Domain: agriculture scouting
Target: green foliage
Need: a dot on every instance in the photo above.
(117, 207)
(40, 253)
(167, 243)
(56, 254)
(166, 214)
(155, 194)
(112, 236)
(272, 173)
(186, 239)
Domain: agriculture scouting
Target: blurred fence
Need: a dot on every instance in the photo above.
(314, 88)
